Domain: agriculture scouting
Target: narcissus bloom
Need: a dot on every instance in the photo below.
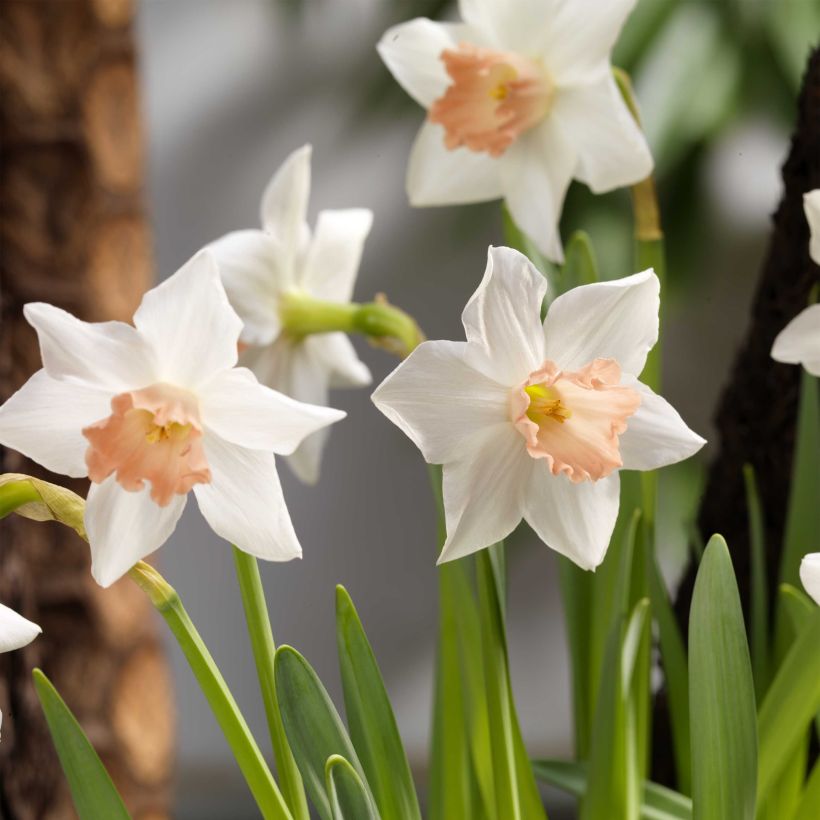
(799, 341)
(535, 421)
(810, 575)
(265, 270)
(15, 630)
(520, 100)
(151, 411)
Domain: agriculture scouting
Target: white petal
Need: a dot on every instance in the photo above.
(239, 409)
(811, 205)
(799, 341)
(810, 575)
(15, 630)
(412, 53)
(284, 204)
(244, 502)
(339, 357)
(656, 435)
(536, 172)
(190, 324)
(440, 402)
(518, 25)
(334, 253)
(251, 264)
(502, 320)
(617, 320)
(306, 459)
(576, 520)
(612, 150)
(483, 491)
(44, 420)
(124, 527)
(438, 176)
(580, 36)
(107, 354)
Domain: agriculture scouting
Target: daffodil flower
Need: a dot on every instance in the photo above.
(152, 411)
(799, 341)
(535, 421)
(269, 272)
(810, 575)
(520, 100)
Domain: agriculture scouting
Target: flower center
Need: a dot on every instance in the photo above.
(574, 419)
(153, 434)
(494, 97)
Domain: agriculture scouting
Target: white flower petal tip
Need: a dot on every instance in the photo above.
(283, 208)
(557, 114)
(810, 575)
(811, 205)
(15, 630)
(799, 341)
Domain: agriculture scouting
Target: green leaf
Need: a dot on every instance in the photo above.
(759, 627)
(349, 799)
(676, 675)
(613, 786)
(657, 802)
(797, 606)
(807, 808)
(93, 792)
(580, 265)
(790, 705)
(370, 718)
(721, 694)
(315, 731)
(514, 785)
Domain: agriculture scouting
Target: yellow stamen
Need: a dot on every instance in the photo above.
(545, 403)
(173, 430)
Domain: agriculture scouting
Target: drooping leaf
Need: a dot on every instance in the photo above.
(657, 802)
(91, 787)
(313, 726)
(721, 694)
(349, 799)
(370, 718)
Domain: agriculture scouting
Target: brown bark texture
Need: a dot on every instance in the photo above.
(73, 232)
(756, 417)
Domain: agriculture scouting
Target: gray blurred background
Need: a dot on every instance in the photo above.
(229, 90)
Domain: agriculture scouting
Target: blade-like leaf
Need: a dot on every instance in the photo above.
(580, 265)
(807, 809)
(315, 731)
(349, 799)
(657, 802)
(797, 606)
(370, 718)
(791, 703)
(721, 694)
(93, 792)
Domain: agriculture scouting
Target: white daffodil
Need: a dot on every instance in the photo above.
(15, 632)
(520, 100)
(532, 420)
(799, 341)
(266, 271)
(151, 411)
(810, 575)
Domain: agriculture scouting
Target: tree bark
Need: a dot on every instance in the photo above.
(73, 233)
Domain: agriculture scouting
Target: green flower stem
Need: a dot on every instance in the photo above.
(384, 324)
(15, 494)
(261, 635)
(167, 602)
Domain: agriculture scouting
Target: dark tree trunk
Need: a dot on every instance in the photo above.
(73, 232)
(758, 410)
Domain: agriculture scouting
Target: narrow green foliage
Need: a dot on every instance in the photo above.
(790, 705)
(370, 718)
(313, 726)
(261, 636)
(807, 808)
(580, 264)
(93, 792)
(614, 786)
(657, 802)
(721, 694)
(349, 799)
(797, 606)
(759, 626)
(676, 675)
